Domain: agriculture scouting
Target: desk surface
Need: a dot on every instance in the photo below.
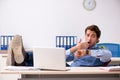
(73, 70)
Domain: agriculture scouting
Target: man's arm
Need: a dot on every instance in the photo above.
(69, 56)
(103, 54)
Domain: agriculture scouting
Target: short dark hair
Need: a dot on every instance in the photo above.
(95, 29)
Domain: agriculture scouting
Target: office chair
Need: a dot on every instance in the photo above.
(113, 47)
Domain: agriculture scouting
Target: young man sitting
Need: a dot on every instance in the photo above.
(87, 53)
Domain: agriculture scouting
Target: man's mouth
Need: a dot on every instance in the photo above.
(88, 45)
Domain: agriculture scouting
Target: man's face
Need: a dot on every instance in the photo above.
(91, 38)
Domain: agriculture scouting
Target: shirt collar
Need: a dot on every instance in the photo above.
(94, 47)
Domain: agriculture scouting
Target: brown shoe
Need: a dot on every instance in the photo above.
(17, 49)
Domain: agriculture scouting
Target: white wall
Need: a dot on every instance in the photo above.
(39, 21)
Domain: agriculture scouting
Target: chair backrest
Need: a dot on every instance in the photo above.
(113, 47)
(4, 41)
(66, 41)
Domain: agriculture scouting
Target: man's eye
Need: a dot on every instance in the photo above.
(87, 35)
(93, 36)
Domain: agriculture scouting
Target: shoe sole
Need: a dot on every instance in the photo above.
(17, 49)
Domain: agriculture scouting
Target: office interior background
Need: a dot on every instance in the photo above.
(40, 21)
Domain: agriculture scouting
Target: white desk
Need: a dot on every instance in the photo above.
(75, 73)
(83, 73)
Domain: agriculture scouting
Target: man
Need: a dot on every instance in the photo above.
(87, 53)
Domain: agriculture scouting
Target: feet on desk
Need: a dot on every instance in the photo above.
(16, 52)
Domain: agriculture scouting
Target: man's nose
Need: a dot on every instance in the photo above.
(89, 38)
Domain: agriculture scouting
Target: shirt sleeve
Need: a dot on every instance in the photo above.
(69, 56)
(103, 54)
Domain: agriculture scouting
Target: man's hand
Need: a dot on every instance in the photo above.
(80, 53)
(77, 47)
(80, 45)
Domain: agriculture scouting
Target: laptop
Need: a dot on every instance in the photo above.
(49, 58)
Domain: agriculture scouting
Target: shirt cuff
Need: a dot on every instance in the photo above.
(68, 52)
